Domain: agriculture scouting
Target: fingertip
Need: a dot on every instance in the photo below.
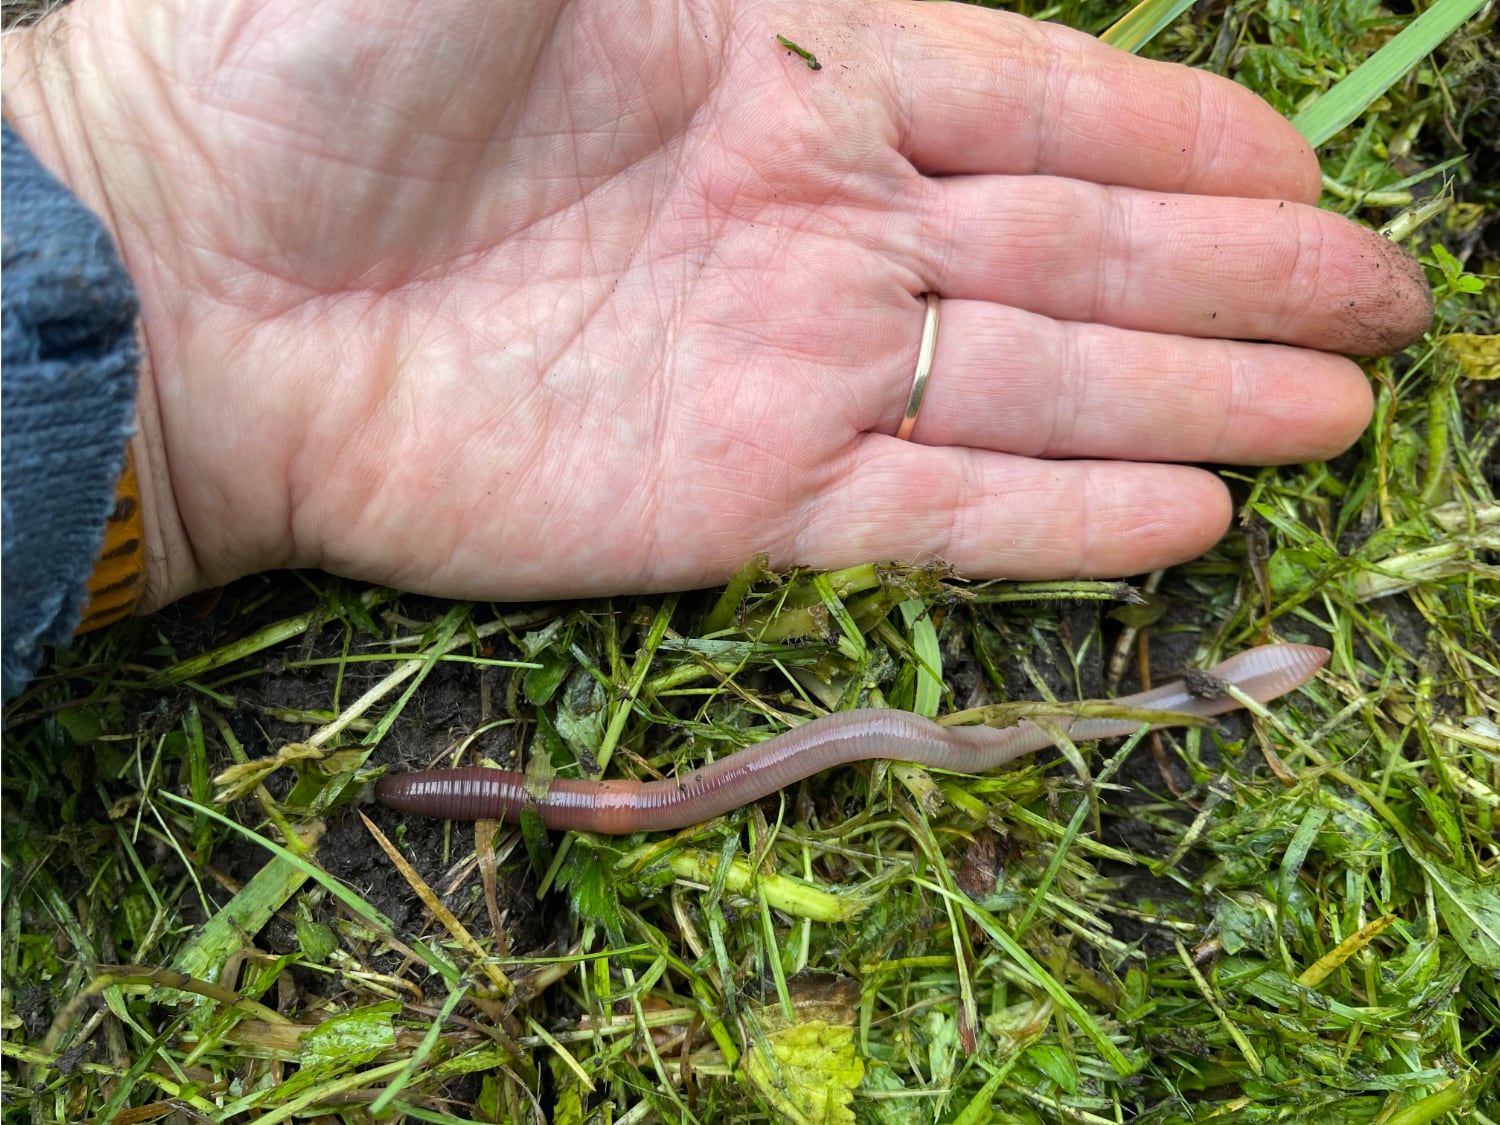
(983, 92)
(1367, 297)
(1290, 162)
(1394, 306)
(1272, 159)
(1304, 406)
(1096, 519)
(1299, 169)
(995, 515)
(1161, 515)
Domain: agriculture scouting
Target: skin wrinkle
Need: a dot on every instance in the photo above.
(525, 472)
(727, 485)
(1114, 275)
(1084, 546)
(293, 255)
(954, 512)
(767, 165)
(163, 213)
(971, 503)
(1031, 57)
(973, 523)
(785, 452)
(581, 177)
(655, 486)
(794, 150)
(893, 76)
(76, 57)
(1256, 272)
(201, 491)
(1201, 138)
(626, 101)
(841, 207)
(590, 305)
(1037, 60)
(640, 257)
(370, 185)
(1088, 351)
(612, 157)
(770, 208)
(929, 255)
(1070, 400)
(1044, 270)
(659, 548)
(1306, 279)
(1053, 82)
(591, 267)
(1023, 394)
(385, 408)
(1181, 115)
(1240, 393)
(255, 300)
(447, 101)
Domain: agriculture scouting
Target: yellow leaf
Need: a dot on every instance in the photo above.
(1478, 356)
(811, 1073)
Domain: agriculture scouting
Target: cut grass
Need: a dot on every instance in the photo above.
(1294, 919)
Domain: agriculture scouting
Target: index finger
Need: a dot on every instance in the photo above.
(984, 91)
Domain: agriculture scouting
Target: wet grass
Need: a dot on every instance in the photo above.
(1294, 918)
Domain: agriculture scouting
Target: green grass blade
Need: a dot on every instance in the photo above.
(924, 645)
(1143, 23)
(1347, 100)
(223, 934)
(1043, 979)
(299, 867)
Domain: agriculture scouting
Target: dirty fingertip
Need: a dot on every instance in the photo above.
(1390, 304)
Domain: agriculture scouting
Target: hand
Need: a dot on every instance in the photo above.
(536, 299)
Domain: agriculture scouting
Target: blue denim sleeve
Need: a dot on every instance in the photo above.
(67, 397)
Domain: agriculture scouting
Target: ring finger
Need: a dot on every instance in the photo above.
(1016, 382)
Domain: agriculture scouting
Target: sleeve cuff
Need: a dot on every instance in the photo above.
(71, 362)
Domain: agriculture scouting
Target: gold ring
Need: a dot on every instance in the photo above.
(924, 369)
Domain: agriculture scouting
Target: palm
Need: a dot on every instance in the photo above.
(520, 311)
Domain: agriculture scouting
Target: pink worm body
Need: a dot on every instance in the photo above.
(622, 807)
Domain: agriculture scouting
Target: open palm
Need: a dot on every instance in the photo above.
(528, 300)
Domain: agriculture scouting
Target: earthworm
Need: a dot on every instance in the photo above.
(622, 807)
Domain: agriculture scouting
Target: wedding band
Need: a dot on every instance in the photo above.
(924, 369)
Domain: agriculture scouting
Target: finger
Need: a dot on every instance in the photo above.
(1024, 384)
(1243, 268)
(981, 91)
(995, 515)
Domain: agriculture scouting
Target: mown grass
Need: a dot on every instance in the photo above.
(1295, 918)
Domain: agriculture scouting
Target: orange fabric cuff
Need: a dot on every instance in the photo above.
(119, 577)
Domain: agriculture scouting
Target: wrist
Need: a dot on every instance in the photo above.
(42, 104)
(170, 566)
(146, 560)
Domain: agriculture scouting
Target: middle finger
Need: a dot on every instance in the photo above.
(1253, 269)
